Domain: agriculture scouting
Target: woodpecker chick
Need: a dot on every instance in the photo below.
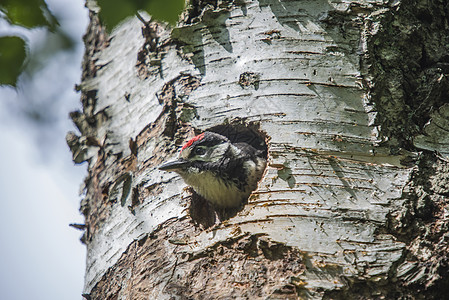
(222, 172)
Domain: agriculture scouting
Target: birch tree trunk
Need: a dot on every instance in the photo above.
(352, 98)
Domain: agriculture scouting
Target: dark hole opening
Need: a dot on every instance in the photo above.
(201, 211)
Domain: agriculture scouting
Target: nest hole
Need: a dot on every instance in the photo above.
(202, 212)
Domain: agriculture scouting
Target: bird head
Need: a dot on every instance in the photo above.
(201, 153)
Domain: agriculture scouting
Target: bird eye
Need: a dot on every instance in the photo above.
(200, 151)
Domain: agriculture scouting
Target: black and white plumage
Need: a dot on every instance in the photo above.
(222, 171)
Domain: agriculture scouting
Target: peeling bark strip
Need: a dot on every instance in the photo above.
(347, 209)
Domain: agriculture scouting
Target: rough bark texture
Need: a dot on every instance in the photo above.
(351, 97)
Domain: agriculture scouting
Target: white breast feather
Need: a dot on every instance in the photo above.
(213, 189)
(216, 191)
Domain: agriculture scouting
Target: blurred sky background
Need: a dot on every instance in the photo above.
(41, 257)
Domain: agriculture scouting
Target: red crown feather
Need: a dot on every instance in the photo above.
(193, 140)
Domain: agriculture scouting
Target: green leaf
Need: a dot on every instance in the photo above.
(12, 56)
(28, 13)
(168, 10)
(113, 12)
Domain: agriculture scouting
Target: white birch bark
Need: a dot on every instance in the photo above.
(331, 185)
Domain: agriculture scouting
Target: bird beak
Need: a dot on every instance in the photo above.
(174, 165)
